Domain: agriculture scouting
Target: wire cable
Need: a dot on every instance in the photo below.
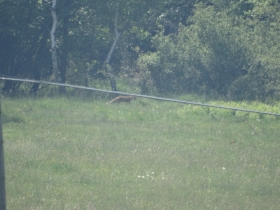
(139, 95)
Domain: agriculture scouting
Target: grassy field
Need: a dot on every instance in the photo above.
(68, 153)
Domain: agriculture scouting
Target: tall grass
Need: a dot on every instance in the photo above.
(68, 153)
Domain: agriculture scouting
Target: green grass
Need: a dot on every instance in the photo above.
(83, 154)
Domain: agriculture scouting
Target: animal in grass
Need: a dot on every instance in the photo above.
(120, 99)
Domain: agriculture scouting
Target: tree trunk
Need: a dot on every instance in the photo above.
(107, 60)
(12, 60)
(65, 51)
(36, 67)
(7, 86)
(37, 76)
(10, 86)
(53, 43)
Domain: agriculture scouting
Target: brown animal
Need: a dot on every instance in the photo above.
(119, 99)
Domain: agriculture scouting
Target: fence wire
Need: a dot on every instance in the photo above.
(139, 95)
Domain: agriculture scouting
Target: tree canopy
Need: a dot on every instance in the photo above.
(224, 47)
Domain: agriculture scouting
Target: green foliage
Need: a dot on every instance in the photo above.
(215, 47)
(84, 35)
(221, 51)
(204, 56)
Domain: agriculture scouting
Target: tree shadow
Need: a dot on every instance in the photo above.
(11, 119)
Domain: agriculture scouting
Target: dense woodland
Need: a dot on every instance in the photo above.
(229, 48)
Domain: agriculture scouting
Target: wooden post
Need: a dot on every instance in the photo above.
(2, 167)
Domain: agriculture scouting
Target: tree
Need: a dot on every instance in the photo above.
(107, 60)
(228, 48)
(53, 42)
(21, 37)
